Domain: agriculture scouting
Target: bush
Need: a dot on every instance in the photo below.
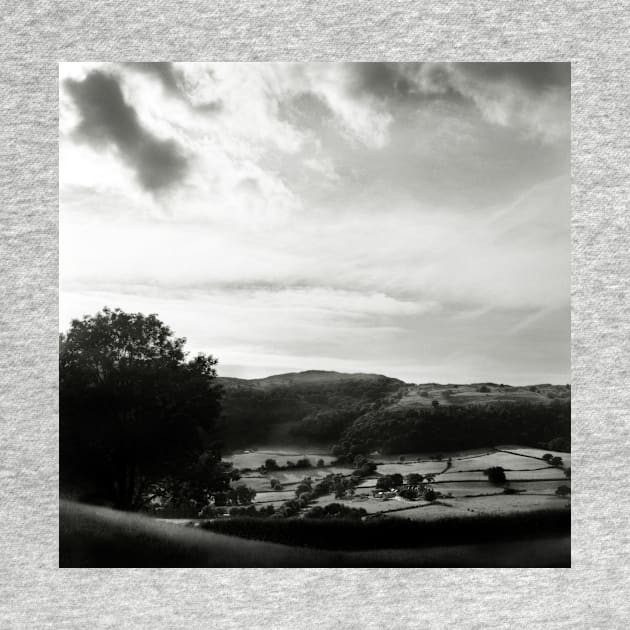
(335, 510)
(244, 495)
(408, 493)
(210, 511)
(430, 495)
(495, 474)
(366, 469)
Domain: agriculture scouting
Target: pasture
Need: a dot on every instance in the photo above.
(462, 487)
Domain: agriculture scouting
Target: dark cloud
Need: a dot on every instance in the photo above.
(535, 76)
(400, 80)
(382, 79)
(107, 120)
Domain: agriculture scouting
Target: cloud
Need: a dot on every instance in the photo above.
(533, 97)
(174, 83)
(402, 218)
(108, 120)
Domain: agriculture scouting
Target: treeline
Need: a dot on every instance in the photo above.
(314, 412)
(379, 533)
(457, 427)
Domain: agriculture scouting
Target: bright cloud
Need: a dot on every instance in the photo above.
(374, 217)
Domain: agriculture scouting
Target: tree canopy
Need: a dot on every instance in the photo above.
(133, 407)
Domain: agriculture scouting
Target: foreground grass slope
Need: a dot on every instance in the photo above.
(99, 537)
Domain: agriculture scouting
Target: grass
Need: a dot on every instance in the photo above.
(99, 537)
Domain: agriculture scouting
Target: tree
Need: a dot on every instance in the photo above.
(556, 461)
(397, 480)
(401, 459)
(547, 457)
(562, 491)
(430, 495)
(414, 479)
(384, 483)
(320, 463)
(133, 409)
(495, 474)
(435, 403)
(484, 389)
(244, 495)
(275, 484)
(271, 464)
(567, 472)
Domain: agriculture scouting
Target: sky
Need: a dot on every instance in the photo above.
(403, 219)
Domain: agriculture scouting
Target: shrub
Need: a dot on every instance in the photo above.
(430, 495)
(336, 510)
(408, 493)
(244, 495)
(495, 474)
(210, 511)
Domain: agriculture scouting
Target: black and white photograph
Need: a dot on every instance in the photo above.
(314, 314)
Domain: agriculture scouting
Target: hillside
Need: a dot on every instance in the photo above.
(319, 407)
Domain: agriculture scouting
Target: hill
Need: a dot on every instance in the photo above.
(320, 407)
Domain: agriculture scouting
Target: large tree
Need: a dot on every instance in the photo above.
(133, 408)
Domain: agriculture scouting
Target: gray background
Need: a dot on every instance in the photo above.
(34, 593)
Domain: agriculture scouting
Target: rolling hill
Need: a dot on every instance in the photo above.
(320, 407)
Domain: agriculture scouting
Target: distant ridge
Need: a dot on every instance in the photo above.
(306, 377)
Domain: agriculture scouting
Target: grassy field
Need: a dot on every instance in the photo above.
(466, 489)
(255, 459)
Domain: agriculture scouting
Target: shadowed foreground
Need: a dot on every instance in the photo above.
(99, 537)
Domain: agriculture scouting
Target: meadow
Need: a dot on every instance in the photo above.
(458, 479)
